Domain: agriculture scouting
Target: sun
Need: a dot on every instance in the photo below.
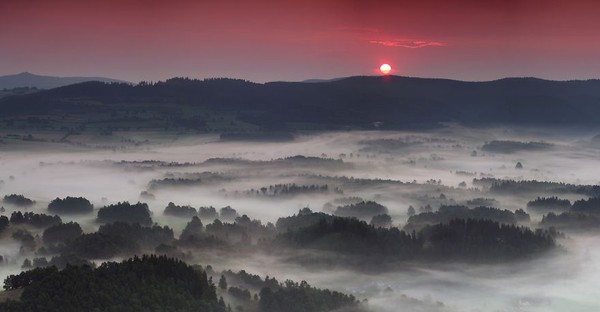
(385, 68)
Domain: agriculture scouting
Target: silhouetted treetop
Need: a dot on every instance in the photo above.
(70, 205)
(125, 212)
(18, 200)
(447, 213)
(149, 283)
(398, 102)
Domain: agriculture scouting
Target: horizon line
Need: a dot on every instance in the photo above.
(310, 80)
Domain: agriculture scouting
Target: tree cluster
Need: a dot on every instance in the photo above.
(583, 215)
(34, 219)
(382, 220)
(288, 190)
(573, 221)
(61, 261)
(301, 297)
(146, 237)
(62, 233)
(70, 205)
(459, 239)
(208, 213)
(180, 211)
(228, 213)
(174, 182)
(304, 218)
(589, 206)
(363, 210)
(149, 283)
(497, 146)
(101, 246)
(544, 204)
(534, 186)
(125, 212)
(447, 213)
(18, 200)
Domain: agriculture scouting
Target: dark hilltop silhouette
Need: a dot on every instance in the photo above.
(30, 80)
(361, 102)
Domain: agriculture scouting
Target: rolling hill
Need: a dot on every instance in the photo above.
(360, 102)
(45, 82)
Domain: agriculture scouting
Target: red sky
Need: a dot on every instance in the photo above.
(264, 40)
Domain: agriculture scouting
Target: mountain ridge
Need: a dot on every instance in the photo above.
(26, 79)
(389, 102)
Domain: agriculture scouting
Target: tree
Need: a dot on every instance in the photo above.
(193, 230)
(4, 222)
(411, 211)
(27, 240)
(228, 213)
(240, 293)
(223, 282)
(26, 264)
(382, 220)
(180, 211)
(62, 233)
(208, 213)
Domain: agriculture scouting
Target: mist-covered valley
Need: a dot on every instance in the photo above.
(450, 219)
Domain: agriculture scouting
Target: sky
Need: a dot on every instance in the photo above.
(265, 40)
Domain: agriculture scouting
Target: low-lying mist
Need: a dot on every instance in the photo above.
(407, 172)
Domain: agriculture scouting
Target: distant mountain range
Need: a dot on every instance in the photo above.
(45, 82)
(361, 102)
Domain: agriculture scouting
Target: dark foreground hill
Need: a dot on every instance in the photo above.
(150, 283)
(157, 283)
(357, 102)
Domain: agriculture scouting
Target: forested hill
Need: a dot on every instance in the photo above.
(391, 102)
(29, 80)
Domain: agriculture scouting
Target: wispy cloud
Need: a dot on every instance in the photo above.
(407, 43)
